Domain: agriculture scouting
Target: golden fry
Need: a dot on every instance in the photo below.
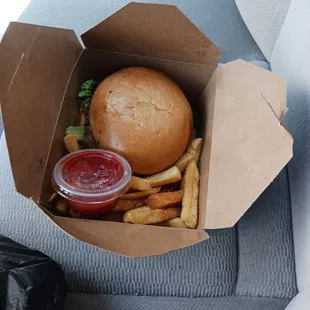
(140, 184)
(195, 148)
(168, 176)
(184, 161)
(164, 200)
(71, 143)
(176, 223)
(142, 194)
(153, 216)
(53, 197)
(62, 207)
(127, 214)
(189, 214)
(126, 205)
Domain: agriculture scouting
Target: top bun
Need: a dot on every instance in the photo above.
(142, 115)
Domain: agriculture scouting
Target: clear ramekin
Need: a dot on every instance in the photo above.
(91, 180)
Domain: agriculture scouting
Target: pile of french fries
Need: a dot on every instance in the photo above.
(169, 198)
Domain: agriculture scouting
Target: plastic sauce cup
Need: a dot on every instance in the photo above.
(91, 180)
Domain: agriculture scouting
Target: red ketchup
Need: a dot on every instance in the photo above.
(91, 180)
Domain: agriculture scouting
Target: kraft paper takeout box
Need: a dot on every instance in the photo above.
(240, 108)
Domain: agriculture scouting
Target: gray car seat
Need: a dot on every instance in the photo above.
(250, 266)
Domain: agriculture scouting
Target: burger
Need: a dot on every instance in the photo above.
(142, 115)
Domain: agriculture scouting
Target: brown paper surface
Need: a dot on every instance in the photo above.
(31, 103)
(130, 239)
(248, 146)
(160, 31)
(17, 40)
(207, 107)
(68, 115)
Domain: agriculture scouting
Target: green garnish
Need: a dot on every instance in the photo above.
(79, 131)
(86, 93)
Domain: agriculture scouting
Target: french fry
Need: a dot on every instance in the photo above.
(168, 176)
(153, 216)
(176, 223)
(184, 161)
(62, 207)
(127, 214)
(74, 214)
(71, 143)
(113, 217)
(126, 205)
(140, 184)
(53, 197)
(195, 148)
(142, 194)
(164, 200)
(189, 214)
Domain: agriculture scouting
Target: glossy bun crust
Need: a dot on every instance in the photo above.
(142, 115)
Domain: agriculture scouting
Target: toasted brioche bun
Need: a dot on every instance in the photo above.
(142, 115)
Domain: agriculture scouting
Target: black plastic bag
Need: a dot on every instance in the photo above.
(29, 280)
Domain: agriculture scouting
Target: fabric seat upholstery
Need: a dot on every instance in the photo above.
(250, 266)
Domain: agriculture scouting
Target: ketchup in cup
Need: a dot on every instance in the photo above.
(91, 180)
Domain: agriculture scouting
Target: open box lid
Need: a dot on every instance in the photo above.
(153, 30)
(246, 146)
(36, 63)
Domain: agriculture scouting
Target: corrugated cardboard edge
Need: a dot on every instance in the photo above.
(248, 146)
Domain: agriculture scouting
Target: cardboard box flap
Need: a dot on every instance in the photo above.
(32, 90)
(160, 31)
(16, 41)
(128, 239)
(246, 146)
